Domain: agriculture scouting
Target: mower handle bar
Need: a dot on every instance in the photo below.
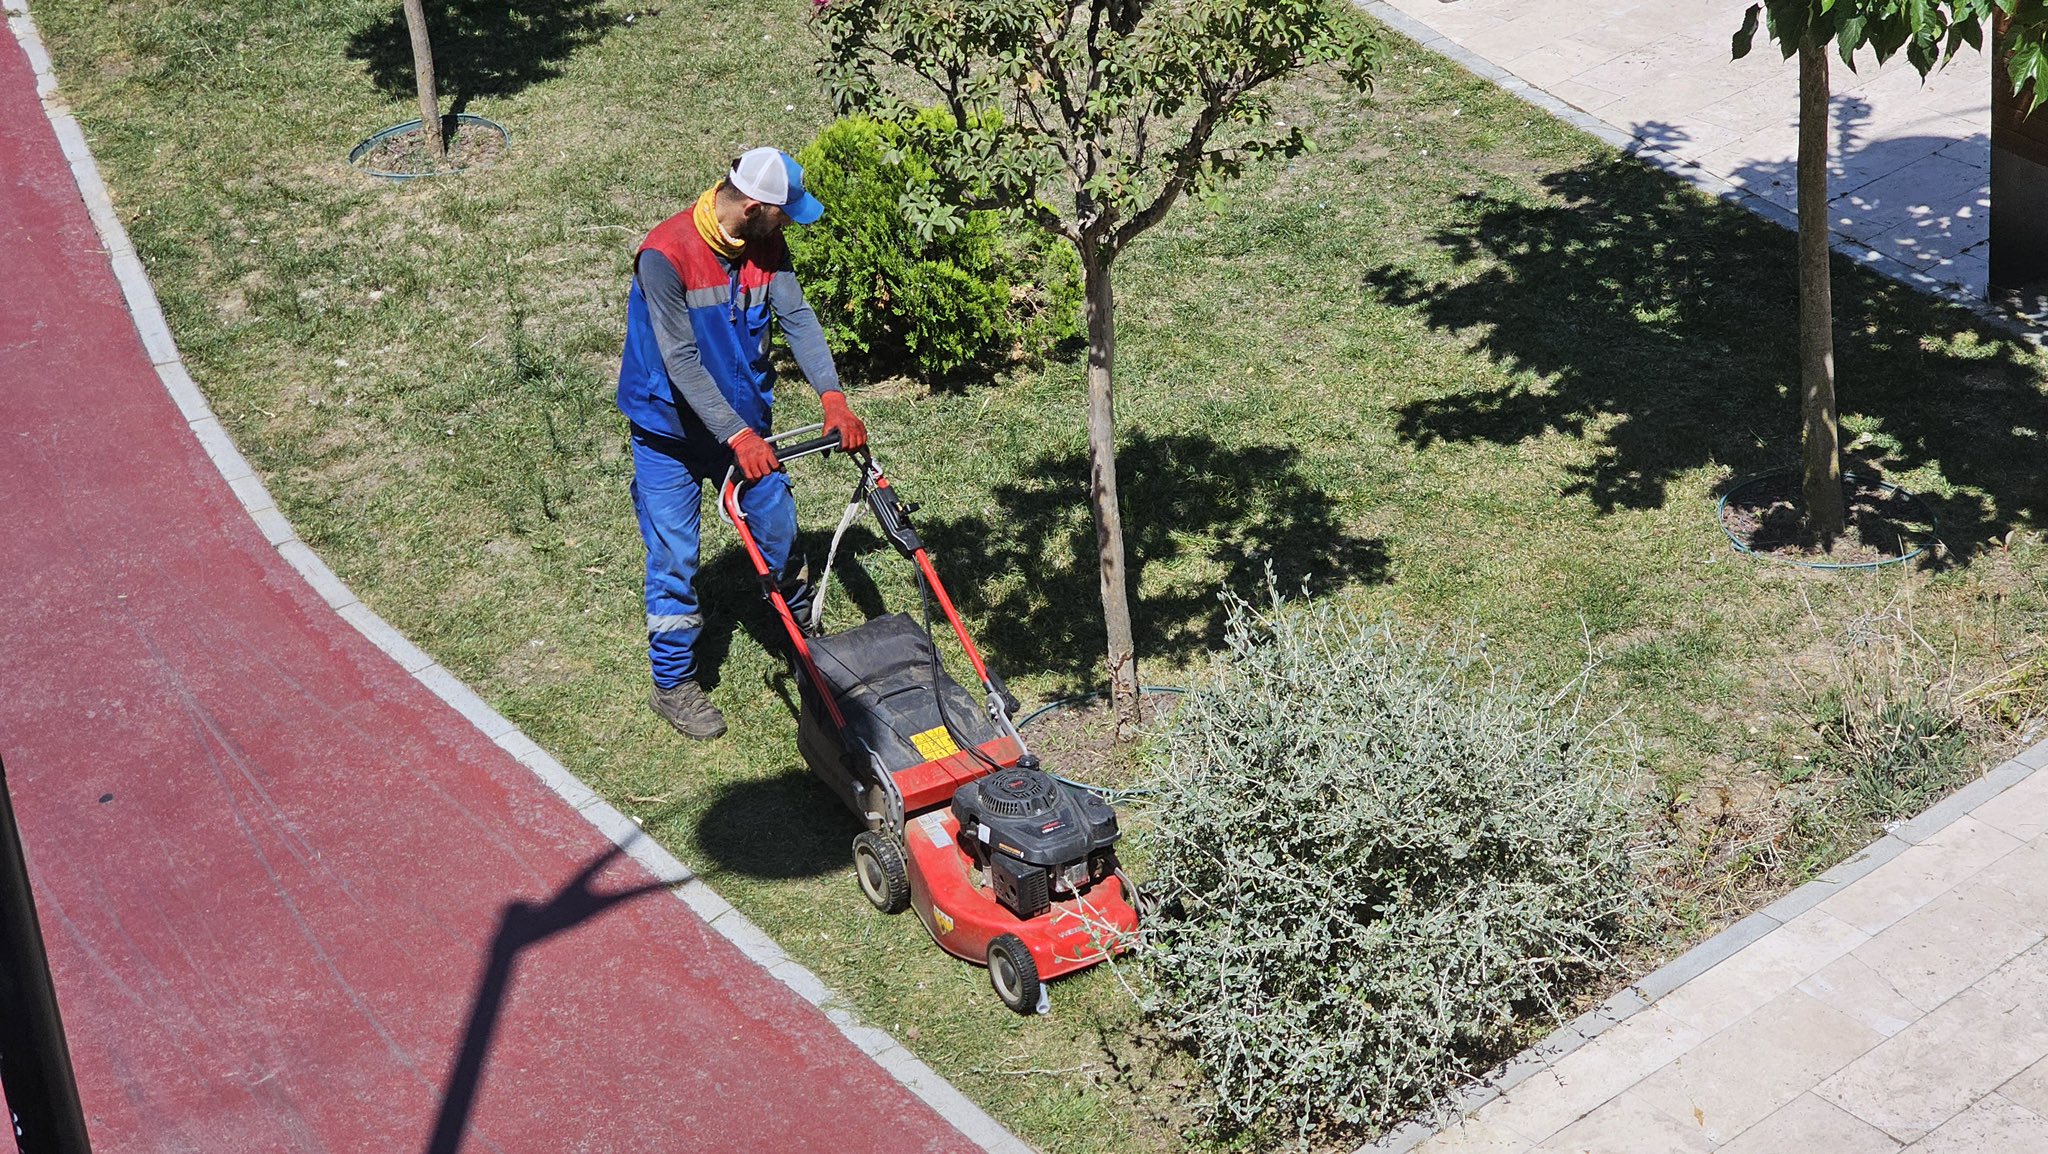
(893, 514)
(824, 444)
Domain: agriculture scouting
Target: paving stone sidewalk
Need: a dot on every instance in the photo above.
(1911, 161)
(1900, 1002)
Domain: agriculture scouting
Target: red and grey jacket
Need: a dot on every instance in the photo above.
(697, 362)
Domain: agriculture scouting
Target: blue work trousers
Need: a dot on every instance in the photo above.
(670, 478)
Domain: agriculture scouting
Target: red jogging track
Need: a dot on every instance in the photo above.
(294, 902)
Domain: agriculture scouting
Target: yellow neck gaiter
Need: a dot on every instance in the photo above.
(722, 242)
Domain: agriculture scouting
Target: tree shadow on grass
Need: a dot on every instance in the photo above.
(482, 48)
(1024, 572)
(1661, 326)
(1197, 515)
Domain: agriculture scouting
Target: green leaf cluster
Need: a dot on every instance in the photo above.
(1378, 857)
(1930, 32)
(1094, 116)
(911, 286)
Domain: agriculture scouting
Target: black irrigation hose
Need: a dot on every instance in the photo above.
(356, 154)
(1721, 510)
(1101, 791)
(1064, 702)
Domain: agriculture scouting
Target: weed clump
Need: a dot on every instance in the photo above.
(1378, 859)
(1894, 735)
(982, 288)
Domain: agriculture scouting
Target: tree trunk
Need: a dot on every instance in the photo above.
(423, 71)
(1822, 438)
(1102, 498)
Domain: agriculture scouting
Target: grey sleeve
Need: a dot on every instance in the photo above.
(801, 329)
(670, 312)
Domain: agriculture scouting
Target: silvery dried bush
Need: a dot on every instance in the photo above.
(1379, 859)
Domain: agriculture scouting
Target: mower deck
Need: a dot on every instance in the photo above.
(964, 918)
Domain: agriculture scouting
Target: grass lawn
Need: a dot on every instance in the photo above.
(1464, 365)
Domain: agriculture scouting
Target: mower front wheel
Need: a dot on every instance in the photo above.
(1014, 974)
(884, 878)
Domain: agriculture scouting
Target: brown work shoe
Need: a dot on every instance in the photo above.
(686, 706)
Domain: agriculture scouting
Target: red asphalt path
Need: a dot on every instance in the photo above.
(271, 866)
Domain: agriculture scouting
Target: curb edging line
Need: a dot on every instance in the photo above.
(153, 329)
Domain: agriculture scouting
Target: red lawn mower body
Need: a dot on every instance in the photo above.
(1047, 921)
(964, 918)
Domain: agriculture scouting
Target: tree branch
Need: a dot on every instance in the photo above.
(956, 104)
(1187, 163)
(1059, 145)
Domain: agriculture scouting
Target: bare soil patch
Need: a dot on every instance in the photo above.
(1078, 740)
(409, 154)
(1767, 517)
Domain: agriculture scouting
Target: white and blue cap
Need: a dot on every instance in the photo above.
(773, 176)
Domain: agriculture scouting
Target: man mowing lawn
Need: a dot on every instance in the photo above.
(697, 385)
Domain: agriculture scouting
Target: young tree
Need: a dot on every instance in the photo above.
(1092, 118)
(423, 73)
(1930, 32)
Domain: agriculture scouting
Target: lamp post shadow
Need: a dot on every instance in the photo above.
(522, 924)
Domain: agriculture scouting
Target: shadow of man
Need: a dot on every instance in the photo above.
(1201, 512)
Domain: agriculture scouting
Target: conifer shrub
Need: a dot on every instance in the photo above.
(1381, 863)
(968, 290)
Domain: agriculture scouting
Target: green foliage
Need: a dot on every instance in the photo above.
(1379, 858)
(1898, 758)
(1930, 31)
(1094, 117)
(928, 301)
(1893, 733)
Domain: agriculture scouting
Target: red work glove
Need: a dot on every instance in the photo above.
(840, 419)
(755, 456)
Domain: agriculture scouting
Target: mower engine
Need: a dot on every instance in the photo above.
(1035, 836)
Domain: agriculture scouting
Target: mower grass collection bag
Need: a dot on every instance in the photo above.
(882, 675)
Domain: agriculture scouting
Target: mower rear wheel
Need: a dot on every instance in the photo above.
(884, 878)
(1014, 974)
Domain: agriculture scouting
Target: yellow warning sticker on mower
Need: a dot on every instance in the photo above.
(935, 743)
(942, 920)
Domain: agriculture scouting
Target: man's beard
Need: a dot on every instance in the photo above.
(759, 226)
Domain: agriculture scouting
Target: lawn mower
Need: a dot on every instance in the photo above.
(1007, 866)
